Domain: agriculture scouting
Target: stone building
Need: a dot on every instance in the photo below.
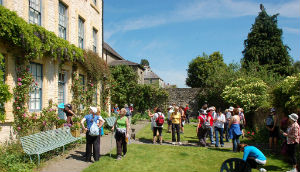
(112, 58)
(152, 78)
(80, 22)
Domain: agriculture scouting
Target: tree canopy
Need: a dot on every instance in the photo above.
(144, 62)
(264, 45)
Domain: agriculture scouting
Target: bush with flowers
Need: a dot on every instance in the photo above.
(48, 117)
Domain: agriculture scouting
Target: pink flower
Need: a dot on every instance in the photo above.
(34, 117)
(19, 128)
(92, 85)
(19, 79)
(18, 107)
(24, 115)
(28, 69)
(36, 84)
(19, 83)
(248, 132)
(252, 134)
(50, 110)
(44, 123)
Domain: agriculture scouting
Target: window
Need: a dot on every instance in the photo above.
(95, 40)
(63, 20)
(35, 101)
(95, 96)
(80, 33)
(61, 87)
(95, 2)
(1, 3)
(35, 12)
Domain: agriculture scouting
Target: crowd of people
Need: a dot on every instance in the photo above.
(217, 126)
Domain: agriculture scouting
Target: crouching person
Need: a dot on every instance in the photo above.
(122, 133)
(253, 156)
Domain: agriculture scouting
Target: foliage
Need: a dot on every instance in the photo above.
(286, 94)
(35, 40)
(149, 97)
(5, 95)
(60, 122)
(144, 62)
(77, 90)
(247, 92)
(296, 67)
(48, 117)
(139, 117)
(21, 94)
(75, 126)
(97, 68)
(264, 45)
(123, 84)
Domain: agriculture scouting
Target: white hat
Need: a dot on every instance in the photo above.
(211, 108)
(94, 109)
(230, 108)
(293, 117)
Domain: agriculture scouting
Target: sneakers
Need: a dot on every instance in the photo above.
(179, 143)
(119, 157)
(293, 170)
(173, 143)
(262, 170)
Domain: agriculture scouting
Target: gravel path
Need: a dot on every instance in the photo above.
(73, 161)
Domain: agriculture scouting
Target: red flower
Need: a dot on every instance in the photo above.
(248, 132)
(252, 134)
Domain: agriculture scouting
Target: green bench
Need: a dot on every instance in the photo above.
(45, 141)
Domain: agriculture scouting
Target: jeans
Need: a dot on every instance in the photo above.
(92, 144)
(177, 128)
(217, 131)
(211, 135)
(235, 142)
(226, 130)
(202, 133)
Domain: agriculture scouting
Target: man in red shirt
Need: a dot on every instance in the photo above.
(187, 113)
(211, 121)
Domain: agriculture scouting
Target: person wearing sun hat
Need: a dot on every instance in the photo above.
(293, 139)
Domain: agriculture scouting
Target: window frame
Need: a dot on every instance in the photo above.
(62, 27)
(95, 40)
(40, 87)
(32, 9)
(81, 32)
(63, 84)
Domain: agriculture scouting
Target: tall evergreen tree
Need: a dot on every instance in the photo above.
(264, 45)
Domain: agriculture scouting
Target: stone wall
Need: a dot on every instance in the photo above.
(183, 96)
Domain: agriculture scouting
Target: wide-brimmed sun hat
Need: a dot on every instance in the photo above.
(61, 106)
(230, 108)
(293, 117)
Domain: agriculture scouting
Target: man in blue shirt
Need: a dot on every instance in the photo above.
(253, 156)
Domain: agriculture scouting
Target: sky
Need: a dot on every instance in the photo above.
(171, 33)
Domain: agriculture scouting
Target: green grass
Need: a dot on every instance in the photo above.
(189, 134)
(160, 158)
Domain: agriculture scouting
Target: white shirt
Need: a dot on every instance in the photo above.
(169, 113)
(155, 117)
(220, 121)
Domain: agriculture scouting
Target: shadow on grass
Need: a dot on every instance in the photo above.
(273, 168)
(220, 149)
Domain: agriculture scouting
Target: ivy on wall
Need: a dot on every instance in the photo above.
(35, 42)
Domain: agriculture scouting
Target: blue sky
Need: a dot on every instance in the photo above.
(170, 33)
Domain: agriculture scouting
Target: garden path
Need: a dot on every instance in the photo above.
(73, 161)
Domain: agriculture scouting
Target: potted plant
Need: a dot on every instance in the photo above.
(75, 129)
(76, 120)
(60, 123)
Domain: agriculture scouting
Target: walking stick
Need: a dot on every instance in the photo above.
(110, 121)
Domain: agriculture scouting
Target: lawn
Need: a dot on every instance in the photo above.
(160, 158)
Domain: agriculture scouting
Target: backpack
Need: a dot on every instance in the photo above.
(94, 130)
(160, 120)
(270, 120)
(206, 124)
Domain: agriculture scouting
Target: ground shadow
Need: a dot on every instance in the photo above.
(78, 155)
(273, 168)
(145, 140)
(220, 149)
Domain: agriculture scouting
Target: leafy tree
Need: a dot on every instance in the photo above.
(297, 67)
(247, 92)
(264, 45)
(144, 62)
(123, 84)
(202, 67)
(286, 94)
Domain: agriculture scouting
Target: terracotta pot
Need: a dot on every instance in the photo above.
(75, 133)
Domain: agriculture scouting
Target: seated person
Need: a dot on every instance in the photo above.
(253, 156)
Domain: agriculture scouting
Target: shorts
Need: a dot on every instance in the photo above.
(182, 123)
(169, 122)
(274, 133)
(155, 129)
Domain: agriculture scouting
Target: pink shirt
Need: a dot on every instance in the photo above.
(293, 133)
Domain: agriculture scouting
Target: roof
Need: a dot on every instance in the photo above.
(149, 74)
(111, 50)
(125, 62)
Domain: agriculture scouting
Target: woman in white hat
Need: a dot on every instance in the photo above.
(293, 138)
(92, 141)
